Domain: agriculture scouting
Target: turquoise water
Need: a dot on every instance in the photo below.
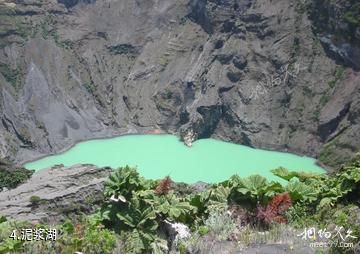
(156, 156)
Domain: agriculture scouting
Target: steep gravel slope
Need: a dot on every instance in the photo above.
(280, 75)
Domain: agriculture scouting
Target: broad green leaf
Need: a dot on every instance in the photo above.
(325, 202)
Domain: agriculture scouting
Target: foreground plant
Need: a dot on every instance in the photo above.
(140, 208)
(275, 210)
(87, 236)
(323, 190)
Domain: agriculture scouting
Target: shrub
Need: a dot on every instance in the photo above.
(203, 230)
(11, 75)
(164, 186)
(299, 215)
(221, 225)
(122, 49)
(275, 209)
(123, 182)
(87, 236)
(253, 190)
(7, 244)
(12, 178)
(35, 200)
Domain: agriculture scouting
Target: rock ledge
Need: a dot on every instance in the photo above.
(53, 193)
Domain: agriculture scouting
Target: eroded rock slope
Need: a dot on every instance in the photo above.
(268, 74)
(52, 194)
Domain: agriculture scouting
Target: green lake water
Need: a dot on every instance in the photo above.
(157, 156)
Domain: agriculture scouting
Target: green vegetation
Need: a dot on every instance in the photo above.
(11, 75)
(47, 28)
(328, 155)
(13, 28)
(86, 235)
(12, 178)
(90, 87)
(183, 20)
(35, 200)
(122, 49)
(220, 224)
(242, 210)
(140, 209)
(350, 22)
(338, 76)
(353, 15)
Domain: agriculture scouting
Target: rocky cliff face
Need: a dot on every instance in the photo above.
(53, 194)
(265, 74)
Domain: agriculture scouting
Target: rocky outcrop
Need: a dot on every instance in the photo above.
(338, 26)
(250, 72)
(51, 194)
(189, 138)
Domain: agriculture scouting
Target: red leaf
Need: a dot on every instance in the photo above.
(164, 186)
(275, 209)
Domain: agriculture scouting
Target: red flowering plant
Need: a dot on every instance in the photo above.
(164, 186)
(275, 210)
